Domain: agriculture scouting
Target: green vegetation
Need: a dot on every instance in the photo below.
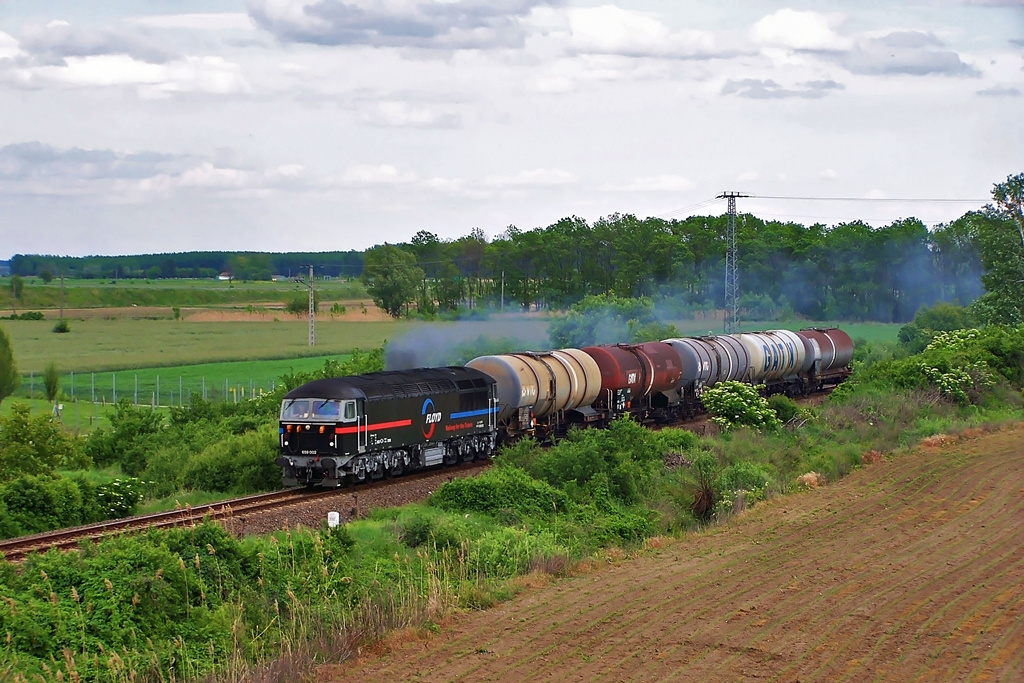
(608, 320)
(732, 404)
(107, 345)
(391, 277)
(186, 603)
(166, 293)
(9, 376)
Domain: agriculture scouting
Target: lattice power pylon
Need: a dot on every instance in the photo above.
(312, 311)
(732, 266)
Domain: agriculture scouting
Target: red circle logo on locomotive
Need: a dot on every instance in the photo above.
(430, 418)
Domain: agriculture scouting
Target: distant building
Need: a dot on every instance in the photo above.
(224, 277)
(5, 268)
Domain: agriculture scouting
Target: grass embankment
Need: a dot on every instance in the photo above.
(181, 604)
(170, 293)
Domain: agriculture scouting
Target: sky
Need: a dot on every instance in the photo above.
(130, 126)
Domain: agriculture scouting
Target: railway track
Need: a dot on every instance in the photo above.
(15, 549)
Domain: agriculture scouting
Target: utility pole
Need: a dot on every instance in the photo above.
(312, 310)
(732, 280)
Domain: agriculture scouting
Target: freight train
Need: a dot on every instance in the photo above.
(350, 429)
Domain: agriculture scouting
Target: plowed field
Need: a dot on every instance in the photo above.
(908, 570)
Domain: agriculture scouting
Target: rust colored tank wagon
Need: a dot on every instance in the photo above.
(835, 346)
(631, 372)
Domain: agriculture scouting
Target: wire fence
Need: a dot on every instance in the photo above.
(146, 388)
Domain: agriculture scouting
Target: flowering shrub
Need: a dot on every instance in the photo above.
(732, 404)
(954, 340)
(119, 497)
(959, 381)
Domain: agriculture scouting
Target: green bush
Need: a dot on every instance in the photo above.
(35, 444)
(732, 404)
(237, 464)
(744, 476)
(785, 407)
(133, 434)
(501, 490)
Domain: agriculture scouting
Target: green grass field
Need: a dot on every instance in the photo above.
(233, 380)
(106, 293)
(97, 345)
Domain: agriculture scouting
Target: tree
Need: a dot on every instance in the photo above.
(1000, 230)
(17, 287)
(391, 277)
(9, 376)
(51, 381)
(46, 276)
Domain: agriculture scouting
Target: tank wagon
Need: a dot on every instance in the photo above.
(381, 424)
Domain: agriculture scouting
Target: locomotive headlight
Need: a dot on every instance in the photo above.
(321, 429)
(286, 442)
(307, 428)
(288, 428)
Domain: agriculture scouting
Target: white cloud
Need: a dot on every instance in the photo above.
(747, 176)
(370, 174)
(611, 30)
(828, 174)
(212, 21)
(403, 114)
(800, 31)
(657, 183)
(208, 75)
(446, 25)
(540, 177)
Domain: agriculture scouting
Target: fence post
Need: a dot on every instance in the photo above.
(136, 389)
(204, 387)
(113, 377)
(92, 380)
(73, 394)
(181, 396)
(158, 389)
(31, 385)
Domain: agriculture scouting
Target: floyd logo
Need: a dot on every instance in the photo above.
(430, 418)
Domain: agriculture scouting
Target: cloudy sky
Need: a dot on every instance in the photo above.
(132, 126)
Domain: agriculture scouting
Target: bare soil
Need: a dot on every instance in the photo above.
(911, 569)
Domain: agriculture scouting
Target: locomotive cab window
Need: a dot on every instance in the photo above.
(295, 409)
(349, 414)
(326, 409)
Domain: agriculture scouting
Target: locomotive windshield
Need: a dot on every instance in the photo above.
(317, 409)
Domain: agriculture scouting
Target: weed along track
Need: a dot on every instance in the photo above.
(906, 570)
(257, 513)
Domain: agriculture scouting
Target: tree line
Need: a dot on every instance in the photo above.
(848, 271)
(192, 264)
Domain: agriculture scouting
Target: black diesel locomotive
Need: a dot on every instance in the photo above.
(334, 431)
(385, 423)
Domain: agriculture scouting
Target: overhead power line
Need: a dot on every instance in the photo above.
(873, 199)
